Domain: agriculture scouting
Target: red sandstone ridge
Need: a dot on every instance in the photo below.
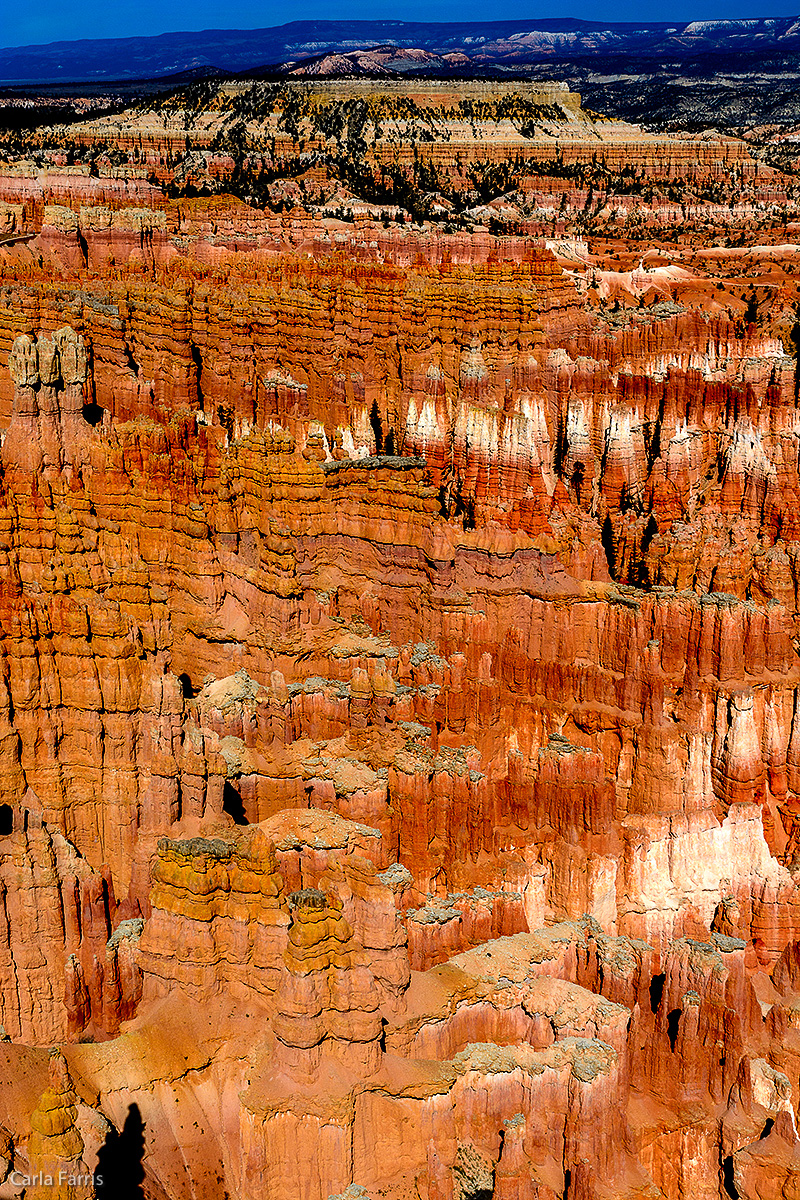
(399, 721)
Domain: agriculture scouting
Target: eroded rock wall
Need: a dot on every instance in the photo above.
(398, 703)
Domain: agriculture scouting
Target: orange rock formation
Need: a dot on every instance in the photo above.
(399, 733)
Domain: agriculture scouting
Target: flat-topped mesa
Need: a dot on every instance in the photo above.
(219, 918)
(327, 993)
(408, 125)
(47, 429)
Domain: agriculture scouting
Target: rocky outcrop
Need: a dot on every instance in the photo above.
(399, 732)
(396, 125)
(219, 917)
(55, 1147)
(54, 935)
(48, 429)
(326, 992)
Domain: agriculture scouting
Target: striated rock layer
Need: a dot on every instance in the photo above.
(399, 719)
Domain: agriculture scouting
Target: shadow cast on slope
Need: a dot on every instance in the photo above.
(120, 1169)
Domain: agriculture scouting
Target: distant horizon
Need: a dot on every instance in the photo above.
(51, 24)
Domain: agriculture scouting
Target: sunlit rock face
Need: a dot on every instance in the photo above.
(399, 720)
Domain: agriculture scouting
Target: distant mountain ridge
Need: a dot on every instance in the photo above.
(506, 45)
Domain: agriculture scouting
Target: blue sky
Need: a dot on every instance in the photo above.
(53, 20)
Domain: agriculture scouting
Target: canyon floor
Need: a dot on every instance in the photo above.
(399, 651)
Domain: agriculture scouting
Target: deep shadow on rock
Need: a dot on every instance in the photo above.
(120, 1170)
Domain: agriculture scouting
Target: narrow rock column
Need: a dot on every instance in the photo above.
(21, 447)
(326, 991)
(49, 409)
(75, 429)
